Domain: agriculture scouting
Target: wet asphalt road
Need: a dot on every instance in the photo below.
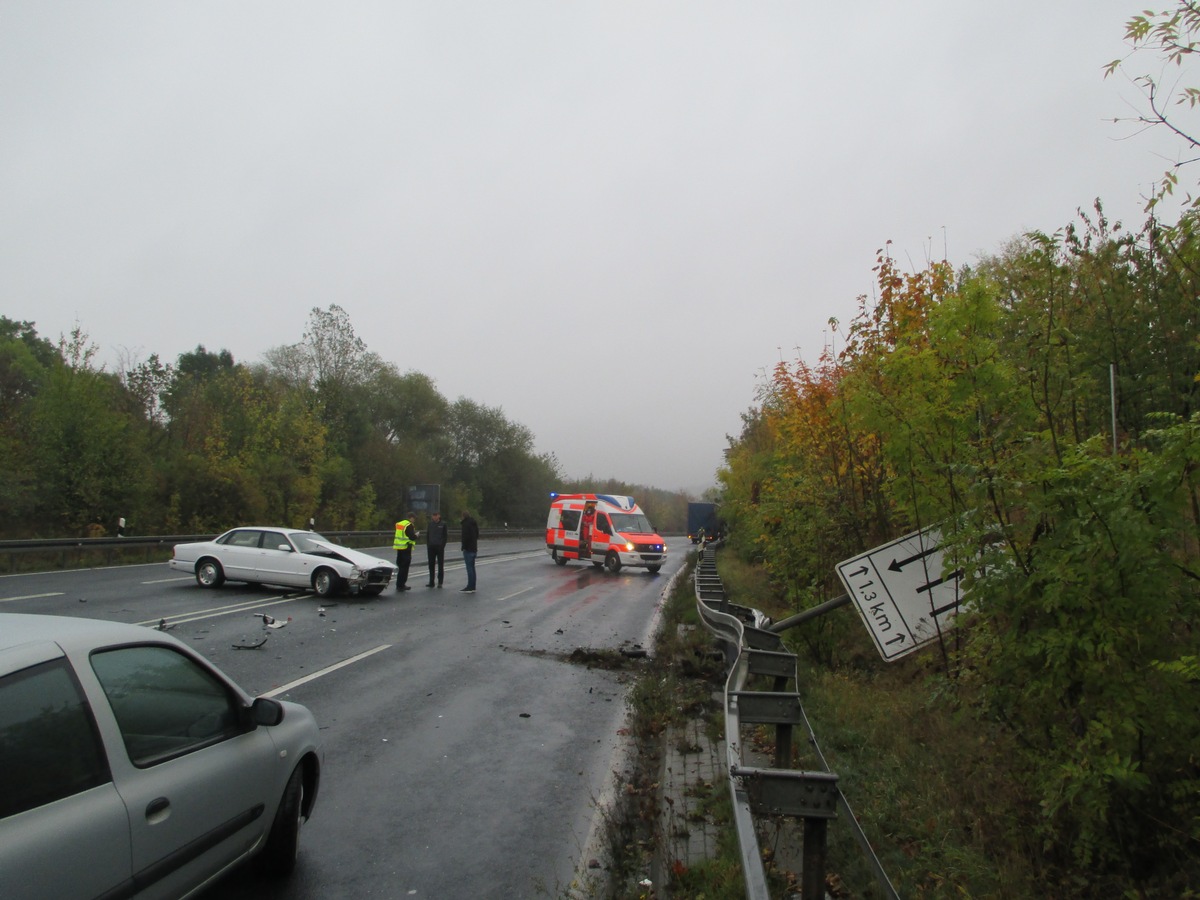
(464, 752)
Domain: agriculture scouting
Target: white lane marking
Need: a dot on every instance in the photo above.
(30, 597)
(197, 615)
(456, 562)
(516, 593)
(227, 610)
(87, 570)
(315, 675)
(499, 559)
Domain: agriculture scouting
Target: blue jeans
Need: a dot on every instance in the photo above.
(469, 560)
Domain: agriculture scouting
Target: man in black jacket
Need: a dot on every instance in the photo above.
(470, 546)
(435, 545)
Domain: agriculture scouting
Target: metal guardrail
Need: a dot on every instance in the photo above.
(756, 655)
(64, 553)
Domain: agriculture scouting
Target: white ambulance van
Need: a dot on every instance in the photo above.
(604, 529)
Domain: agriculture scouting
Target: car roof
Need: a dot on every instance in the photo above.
(69, 632)
(280, 528)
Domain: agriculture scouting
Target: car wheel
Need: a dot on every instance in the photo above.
(209, 573)
(612, 562)
(653, 569)
(278, 858)
(326, 582)
(559, 560)
(373, 591)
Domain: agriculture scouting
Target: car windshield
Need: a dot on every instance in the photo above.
(306, 541)
(631, 523)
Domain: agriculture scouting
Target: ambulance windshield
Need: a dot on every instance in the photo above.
(631, 523)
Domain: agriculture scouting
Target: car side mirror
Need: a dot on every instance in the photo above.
(265, 711)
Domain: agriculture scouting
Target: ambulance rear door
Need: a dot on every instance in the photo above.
(602, 534)
(570, 532)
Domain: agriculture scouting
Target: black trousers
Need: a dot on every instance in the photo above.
(437, 559)
(403, 560)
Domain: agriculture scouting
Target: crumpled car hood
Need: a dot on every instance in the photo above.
(355, 557)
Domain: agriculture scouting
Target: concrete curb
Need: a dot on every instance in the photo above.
(693, 769)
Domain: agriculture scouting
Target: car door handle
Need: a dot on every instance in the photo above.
(157, 810)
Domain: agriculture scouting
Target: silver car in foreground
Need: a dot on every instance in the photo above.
(283, 556)
(131, 767)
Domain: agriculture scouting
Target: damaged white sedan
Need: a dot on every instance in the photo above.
(283, 556)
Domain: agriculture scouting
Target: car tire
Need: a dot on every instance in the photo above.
(326, 582)
(612, 562)
(278, 857)
(653, 570)
(559, 560)
(209, 574)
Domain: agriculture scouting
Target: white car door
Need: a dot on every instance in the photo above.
(198, 787)
(276, 566)
(239, 554)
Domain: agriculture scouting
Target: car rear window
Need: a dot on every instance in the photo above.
(49, 745)
(246, 537)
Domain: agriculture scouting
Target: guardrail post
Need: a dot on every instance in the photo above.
(812, 879)
(811, 797)
(783, 746)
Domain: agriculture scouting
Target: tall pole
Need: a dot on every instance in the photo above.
(1112, 393)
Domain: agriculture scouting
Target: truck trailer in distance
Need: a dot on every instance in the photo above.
(703, 523)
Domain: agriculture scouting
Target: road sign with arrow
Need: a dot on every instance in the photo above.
(901, 593)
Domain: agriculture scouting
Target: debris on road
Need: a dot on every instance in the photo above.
(249, 646)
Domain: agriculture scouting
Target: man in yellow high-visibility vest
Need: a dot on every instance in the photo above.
(406, 536)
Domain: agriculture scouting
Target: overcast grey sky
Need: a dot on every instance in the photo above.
(608, 219)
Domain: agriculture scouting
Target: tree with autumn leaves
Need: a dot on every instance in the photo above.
(982, 402)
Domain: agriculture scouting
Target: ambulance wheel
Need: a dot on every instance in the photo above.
(559, 560)
(653, 569)
(612, 562)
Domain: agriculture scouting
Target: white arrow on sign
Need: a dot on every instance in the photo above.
(900, 592)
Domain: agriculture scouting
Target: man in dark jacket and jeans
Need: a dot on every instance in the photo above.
(470, 546)
(435, 545)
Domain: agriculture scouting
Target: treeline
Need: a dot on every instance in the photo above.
(983, 401)
(323, 429)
